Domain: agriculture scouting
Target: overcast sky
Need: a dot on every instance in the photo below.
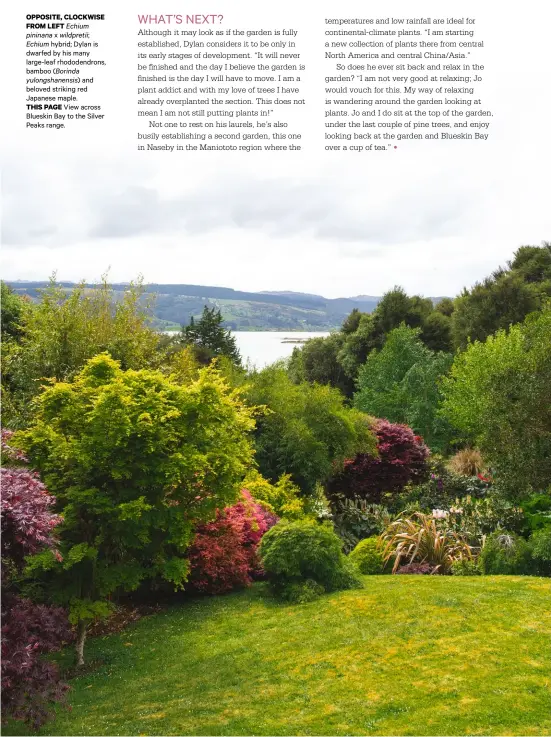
(431, 216)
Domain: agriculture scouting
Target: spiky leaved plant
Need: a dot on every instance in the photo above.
(467, 462)
(421, 539)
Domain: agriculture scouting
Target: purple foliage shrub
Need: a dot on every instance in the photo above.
(402, 458)
(30, 684)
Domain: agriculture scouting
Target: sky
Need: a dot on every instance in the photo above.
(431, 216)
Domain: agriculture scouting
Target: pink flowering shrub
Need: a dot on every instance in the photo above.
(223, 555)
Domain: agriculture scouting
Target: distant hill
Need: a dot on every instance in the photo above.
(364, 298)
(175, 304)
(305, 295)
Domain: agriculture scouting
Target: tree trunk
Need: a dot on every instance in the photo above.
(81, 639)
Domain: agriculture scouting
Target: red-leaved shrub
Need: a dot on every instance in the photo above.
(27, 517)
(30, 684)
(223, 555)
(402, 458)
(424, 569)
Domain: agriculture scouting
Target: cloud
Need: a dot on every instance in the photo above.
(87, 203)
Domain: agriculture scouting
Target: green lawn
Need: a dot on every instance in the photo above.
(408, 655)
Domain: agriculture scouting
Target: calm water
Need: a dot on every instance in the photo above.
(263, 348)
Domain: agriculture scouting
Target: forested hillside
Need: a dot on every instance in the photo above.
(173, 305)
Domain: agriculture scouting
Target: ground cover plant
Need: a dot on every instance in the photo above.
(476, 651)
(355, 520)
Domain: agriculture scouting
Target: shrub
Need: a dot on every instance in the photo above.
(300, 592)
(401, 458)
(541, 550)
(367, 556)
(467, 462)
(465, 567)
(505, 553)
(293, 552)
(307, 431)
(537, 511)
(30, 684)
(11, 456)
(441, 489)
(355, 519)
(27, 518)
(282, 497)
(476, 518)
(223, 555)
(422, 569)
(541, 544)
(419, 539)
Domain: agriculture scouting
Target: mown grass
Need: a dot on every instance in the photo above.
(407, 655)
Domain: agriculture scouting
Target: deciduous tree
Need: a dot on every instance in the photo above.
(66, 327)
(136, 461)
(307, 430)
(401, 457)
(401, 383)
(498, 394)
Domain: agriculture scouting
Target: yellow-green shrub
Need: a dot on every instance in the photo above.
(282, 497)
(367, 556)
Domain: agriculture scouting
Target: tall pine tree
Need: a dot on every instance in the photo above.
(210, 338)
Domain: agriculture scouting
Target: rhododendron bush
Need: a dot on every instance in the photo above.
(223, 555)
